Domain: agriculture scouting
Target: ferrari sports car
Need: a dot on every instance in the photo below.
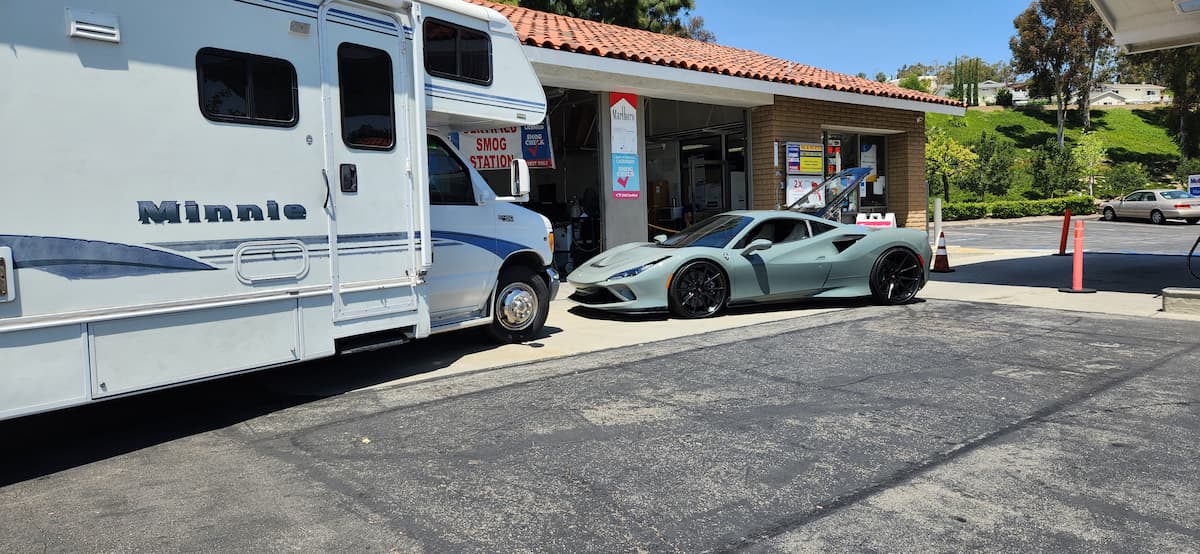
(745, 257)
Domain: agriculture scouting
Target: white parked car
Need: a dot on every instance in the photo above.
(1157, 205)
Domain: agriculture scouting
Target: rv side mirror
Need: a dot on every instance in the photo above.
(519, 175)
(660, 238)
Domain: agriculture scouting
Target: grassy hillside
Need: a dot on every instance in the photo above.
(1130, 135)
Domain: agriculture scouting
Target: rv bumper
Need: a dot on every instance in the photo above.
(552, 280)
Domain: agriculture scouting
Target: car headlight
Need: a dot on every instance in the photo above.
(637, 270)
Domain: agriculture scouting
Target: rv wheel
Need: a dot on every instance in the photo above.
(520, 307)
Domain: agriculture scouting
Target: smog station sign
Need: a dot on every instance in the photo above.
(1194, 185)
(488, 149)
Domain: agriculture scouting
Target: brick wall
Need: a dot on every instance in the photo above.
(800, 120)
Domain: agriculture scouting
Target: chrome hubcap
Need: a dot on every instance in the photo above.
(517, 306)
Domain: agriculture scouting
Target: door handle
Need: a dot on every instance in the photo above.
(349, 174)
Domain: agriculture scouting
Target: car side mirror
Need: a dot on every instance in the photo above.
(660, 238)
(756, 245)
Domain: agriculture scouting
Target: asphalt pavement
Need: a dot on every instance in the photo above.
(1173, 238)
(939, 426)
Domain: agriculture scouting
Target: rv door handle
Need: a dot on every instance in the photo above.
(349, 174)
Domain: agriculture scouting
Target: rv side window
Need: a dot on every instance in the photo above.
(245, 88)
(449, 180)
(458, 53)
(365, 82)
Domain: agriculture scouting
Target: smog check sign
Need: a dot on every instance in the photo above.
(1194, 185)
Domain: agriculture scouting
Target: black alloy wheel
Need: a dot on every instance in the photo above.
(1110, 214)
(1156, 217)
(896, 277)
(699, 289)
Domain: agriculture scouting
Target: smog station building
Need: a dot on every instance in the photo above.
(648, 133)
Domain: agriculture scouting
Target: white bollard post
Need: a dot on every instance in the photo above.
(937, 219)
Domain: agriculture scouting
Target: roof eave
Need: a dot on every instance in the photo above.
(615, 71)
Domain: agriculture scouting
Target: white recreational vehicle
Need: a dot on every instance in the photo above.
(193, 189)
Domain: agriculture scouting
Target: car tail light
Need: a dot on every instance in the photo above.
(1184, 205)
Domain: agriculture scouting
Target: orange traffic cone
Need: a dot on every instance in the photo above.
(941, 262)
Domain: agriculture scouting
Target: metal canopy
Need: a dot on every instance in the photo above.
(1145, 25)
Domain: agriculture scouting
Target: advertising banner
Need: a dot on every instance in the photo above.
(799, 185)
(622, 110)
(625, 177)
(488, 149)
(803, 158)
(1194, 185)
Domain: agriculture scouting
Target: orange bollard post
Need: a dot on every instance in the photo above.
(1077, 263)
(1062, 244)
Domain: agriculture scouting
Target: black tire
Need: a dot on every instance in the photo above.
(520, 306)
(1110, 214)
(1156, 217)
(1192, 220)
(698, 289)
(896, 277)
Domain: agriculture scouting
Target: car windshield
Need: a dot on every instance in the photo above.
(1175, 195)
(715, 231)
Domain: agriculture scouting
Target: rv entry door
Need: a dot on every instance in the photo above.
(372, 228)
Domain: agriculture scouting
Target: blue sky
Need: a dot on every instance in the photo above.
(849, 36)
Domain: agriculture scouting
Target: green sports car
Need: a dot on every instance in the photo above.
(746, 257)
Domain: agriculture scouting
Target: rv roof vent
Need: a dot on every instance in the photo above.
(92, 25)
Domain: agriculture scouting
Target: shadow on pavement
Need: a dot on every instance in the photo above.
(42, 444)
(1136, 273)
(808, 304)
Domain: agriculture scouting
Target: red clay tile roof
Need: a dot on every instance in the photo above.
(558, 32)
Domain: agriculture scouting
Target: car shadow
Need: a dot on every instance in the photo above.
(1106, 271)
(42, 444)
(796, 305)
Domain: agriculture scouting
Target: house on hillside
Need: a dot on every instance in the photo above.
(1123, 94)
(988, 90)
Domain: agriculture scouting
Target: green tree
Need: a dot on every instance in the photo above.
(1090, 155)
(1123, 178)
(946, 161)
(659, 16)
(1004, 97)
(993, 171)
(913, 82)
(1054, 169)
(881, 77)
(1050, 46)
(1095, 65)
(1189, 166)
(861, 75)
(1179, 70)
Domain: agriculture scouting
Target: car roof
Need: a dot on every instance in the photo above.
(765, 214)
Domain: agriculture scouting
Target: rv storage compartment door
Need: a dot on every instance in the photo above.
(145, 352)
(41, 369)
